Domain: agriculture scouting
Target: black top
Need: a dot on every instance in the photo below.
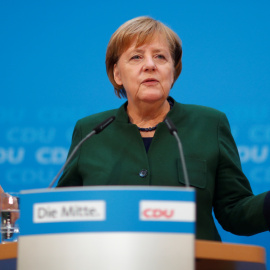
(147, 141)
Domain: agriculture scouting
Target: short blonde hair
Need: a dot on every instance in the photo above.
(144, 29)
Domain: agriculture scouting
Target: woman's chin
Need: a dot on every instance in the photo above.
(152, 96)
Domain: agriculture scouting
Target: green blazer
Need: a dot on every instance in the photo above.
(117, 156)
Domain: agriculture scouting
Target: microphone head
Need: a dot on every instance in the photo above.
(104, 124)
(170, 125)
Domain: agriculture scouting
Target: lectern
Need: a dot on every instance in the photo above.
(103, 228)
(141, 233)
(209, 255)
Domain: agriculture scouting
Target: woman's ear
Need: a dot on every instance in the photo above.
(116, 75)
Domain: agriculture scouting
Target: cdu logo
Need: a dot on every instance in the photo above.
(167, 211)
(158, 213)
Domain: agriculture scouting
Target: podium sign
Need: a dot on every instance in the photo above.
(102, 228)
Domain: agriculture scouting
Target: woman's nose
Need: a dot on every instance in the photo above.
(149, 64)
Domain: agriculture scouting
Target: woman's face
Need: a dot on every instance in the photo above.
(146, 72)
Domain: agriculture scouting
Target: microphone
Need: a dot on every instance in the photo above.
(104, 124)
(173, 130)
(96, 130)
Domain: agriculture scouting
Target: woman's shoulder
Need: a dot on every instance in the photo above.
(200, 110)
(194, 114)
(97, 118)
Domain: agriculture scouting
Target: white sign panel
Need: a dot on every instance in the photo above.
(69, 211)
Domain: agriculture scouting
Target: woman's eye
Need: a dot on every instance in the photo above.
(136, 57)
(161, 56)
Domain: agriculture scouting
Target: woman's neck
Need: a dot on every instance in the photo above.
(148, 115)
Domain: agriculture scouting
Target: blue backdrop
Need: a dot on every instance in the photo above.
(52, 73)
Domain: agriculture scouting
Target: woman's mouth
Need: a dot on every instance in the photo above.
(150, 82)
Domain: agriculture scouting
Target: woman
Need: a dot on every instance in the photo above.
(143, 61)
